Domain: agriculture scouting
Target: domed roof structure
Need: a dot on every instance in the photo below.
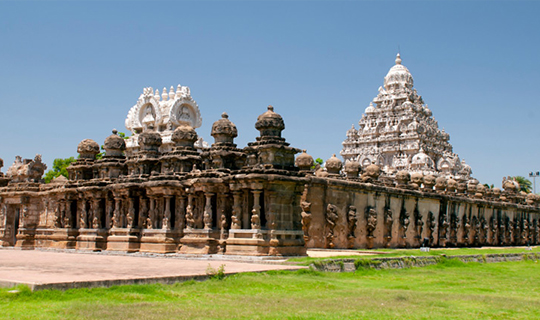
(398, 75)
(114, 145)
(304, 161)
(88, 149)
(270, 124)
(224, 131)
(333, 165)
(184, 136)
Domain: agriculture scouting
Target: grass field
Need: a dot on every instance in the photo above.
(449, 290)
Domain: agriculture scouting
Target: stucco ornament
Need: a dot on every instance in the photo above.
(304, 161)
(114, 145)
(184, 136)
(270, 124)
(88, 149)
(333, 165)
(371, 173)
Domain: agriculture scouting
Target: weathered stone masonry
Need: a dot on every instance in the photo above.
(164, 190)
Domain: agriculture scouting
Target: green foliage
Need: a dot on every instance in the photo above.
(524, 183)
(213, 273)
(59, 168)
(317, 161)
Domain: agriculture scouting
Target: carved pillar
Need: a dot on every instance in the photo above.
(131, 212)
(223, 216)
(208, 211)
(271, 222)
(256, 212)
(117, 212)
(96, 214)
(151, 213)
(236, 211)
(190, 219)
(143, 211)
(3, 215)
(180, 215)
(167, 213)
(68, 214)
(83, 215)
(58, 215)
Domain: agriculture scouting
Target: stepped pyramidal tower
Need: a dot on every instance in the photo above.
(398, 132)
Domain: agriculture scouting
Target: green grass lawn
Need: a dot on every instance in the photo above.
(449, 290)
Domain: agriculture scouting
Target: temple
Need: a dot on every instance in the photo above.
(397, 132)
(165, 190)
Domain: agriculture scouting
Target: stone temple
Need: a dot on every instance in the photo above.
(398, 132)
(165, 190)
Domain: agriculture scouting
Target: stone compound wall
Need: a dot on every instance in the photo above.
(352, 214)
(351, 265)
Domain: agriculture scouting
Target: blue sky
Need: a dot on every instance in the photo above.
(72, 70)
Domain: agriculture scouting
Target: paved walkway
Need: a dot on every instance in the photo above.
(64, 270)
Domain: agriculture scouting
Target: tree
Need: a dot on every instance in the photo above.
(524, 183)
(317, 161)
(59, 168)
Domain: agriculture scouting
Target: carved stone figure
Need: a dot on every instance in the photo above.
(431, 224)
(371, 221)
(476, 229)
(466, 228)
(418, 223)
(26, 170)
(351, 221)
(494, 228)
(443, 227)
(451, 186)
(404, 221)
(371, 173)
(388, 222)
(454, 226)
(402, 179)
(306, 218)
(429, 182)
(440, 184)
(417, 179)
(483, 230)
(331, 219)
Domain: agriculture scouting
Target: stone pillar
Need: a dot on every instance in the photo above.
(236, 211)
(68, 215)
(256, 212)
(143, 211)
(58, 215)
(131, 213)
(166, 225)
(180, 214)
(117, 212)
(151, 213)
(83, 215)
(96, 214)
(190, 219)
(208, 211)
(224, 226)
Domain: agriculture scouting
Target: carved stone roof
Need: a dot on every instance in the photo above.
(398, 132)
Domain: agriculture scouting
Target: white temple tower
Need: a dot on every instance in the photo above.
(398, 132)
(162, 113)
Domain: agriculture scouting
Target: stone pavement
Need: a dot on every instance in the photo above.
(64, 270)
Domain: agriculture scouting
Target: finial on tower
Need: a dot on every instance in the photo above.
(398, 59)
